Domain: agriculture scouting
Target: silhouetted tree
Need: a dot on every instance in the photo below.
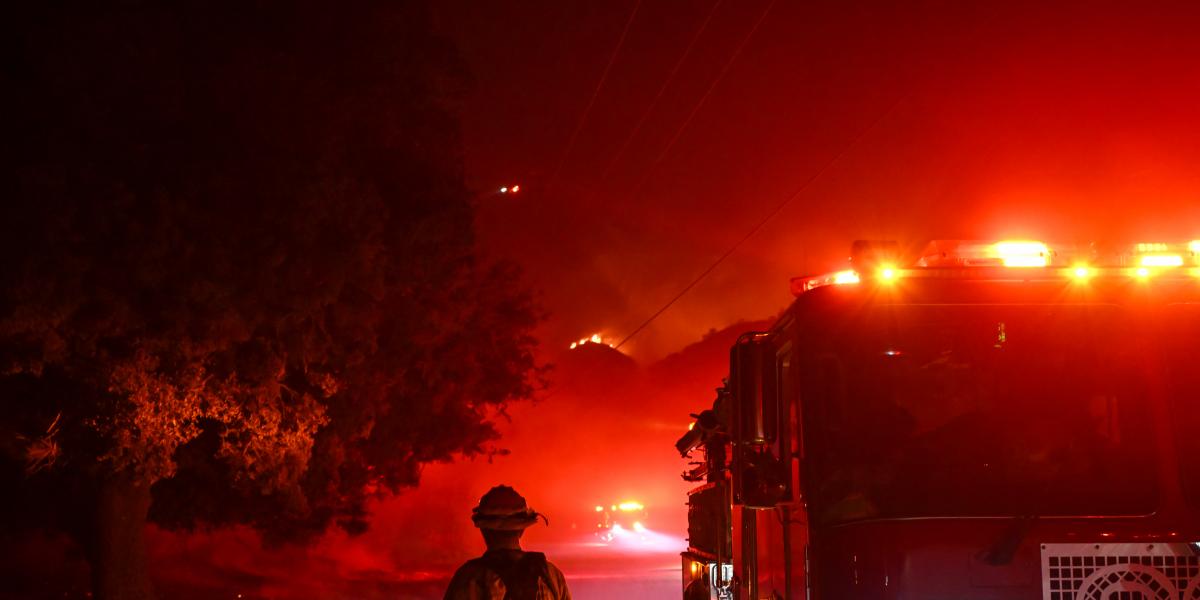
(238, 281)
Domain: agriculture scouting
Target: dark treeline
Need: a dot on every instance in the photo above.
(238, 282)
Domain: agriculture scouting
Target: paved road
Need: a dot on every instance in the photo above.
(640, 568)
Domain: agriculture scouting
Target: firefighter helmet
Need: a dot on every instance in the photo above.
(503, 509)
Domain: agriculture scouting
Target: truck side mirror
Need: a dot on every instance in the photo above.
(760, 462)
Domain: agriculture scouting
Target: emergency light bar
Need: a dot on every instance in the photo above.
(880, 261)
(956, 253)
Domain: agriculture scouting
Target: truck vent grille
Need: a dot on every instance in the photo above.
(1120, 572)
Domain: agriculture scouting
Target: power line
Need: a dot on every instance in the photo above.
(687, 51)
(703, 98)
(824, 168)
(596, 92)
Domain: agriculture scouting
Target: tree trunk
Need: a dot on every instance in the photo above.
(118, 544)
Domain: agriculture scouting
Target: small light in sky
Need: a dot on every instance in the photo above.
(504, 190)
(516, 188)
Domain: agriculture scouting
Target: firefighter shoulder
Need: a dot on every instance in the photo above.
(505, 571)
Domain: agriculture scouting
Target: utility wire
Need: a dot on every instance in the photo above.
(703, 99)
(803, 186)
(637, 128)
(595, 93)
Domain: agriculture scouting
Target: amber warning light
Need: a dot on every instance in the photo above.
(1023, 254)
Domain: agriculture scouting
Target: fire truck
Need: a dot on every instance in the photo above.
(970, 420)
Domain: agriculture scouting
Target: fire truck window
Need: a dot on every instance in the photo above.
(1183, 327)
(786, 384)
(984, 410)
(825, 380)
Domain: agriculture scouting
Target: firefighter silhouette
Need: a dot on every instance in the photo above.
(505, 571)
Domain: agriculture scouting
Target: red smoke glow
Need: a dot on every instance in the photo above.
(603, 435)
(1015, 120)
(1004, 120)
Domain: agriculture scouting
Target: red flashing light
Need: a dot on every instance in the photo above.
(804, 284)
(845, 277)
(1077, 262)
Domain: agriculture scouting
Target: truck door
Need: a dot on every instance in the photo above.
(783, 530)
(771, 530)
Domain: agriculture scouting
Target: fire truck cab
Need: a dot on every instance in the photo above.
(997, 421)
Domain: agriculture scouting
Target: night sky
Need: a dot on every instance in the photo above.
(905, 120)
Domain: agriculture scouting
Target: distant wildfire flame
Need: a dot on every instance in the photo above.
(595, 339)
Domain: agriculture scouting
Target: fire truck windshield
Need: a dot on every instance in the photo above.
(969, 410)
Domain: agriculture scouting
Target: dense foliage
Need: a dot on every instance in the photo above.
(236, 262)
